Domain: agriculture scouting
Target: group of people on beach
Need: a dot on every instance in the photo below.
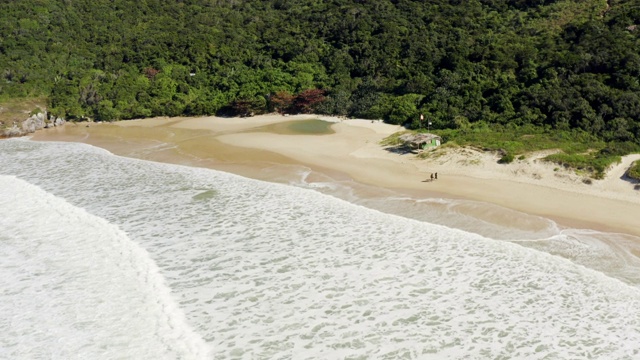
(434, 176)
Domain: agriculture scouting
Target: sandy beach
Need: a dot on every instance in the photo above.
(260, 147)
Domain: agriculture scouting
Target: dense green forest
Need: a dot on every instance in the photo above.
(554, 64)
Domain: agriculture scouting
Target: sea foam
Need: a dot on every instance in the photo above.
(76, 287)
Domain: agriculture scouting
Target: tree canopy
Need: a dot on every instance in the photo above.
(558, 64)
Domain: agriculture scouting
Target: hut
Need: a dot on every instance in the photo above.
(421, 141)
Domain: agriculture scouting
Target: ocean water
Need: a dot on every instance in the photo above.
(105, 257)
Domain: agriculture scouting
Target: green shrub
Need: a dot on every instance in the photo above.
(597, 165)
(506, 159)
(634, 171)
(36, 111)
(620, 148)
(393, 139)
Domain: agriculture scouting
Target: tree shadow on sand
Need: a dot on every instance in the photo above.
(634, 182)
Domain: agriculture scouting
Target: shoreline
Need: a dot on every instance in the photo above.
(242, 146)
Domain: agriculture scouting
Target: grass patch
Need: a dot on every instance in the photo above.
(595, 165)
(521, 140)
(435, 153)
(393, 139)
(506, 159)
(15, 110)
(634, 171)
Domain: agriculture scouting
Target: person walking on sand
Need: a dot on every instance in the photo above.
(431, 176)
(436, 176)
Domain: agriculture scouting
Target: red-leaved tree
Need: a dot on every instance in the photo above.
(282, 102)
(150, 72)
(307, 100)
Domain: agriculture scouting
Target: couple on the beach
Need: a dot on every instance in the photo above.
(434, 177)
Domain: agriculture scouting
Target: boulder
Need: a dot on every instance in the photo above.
(33, 123)
(13, 131)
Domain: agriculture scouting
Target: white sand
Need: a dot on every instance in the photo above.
(530, 185)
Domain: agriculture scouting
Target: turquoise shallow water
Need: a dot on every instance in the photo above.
(109, 257)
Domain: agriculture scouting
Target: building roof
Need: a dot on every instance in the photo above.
(417, 139)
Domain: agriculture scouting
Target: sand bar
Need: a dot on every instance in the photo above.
(247, 146)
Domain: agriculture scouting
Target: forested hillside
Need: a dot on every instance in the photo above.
(556, 63)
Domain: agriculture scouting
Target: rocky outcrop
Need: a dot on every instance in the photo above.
(13, 131)
(33, 123)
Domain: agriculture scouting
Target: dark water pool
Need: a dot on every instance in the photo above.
(299, 127)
